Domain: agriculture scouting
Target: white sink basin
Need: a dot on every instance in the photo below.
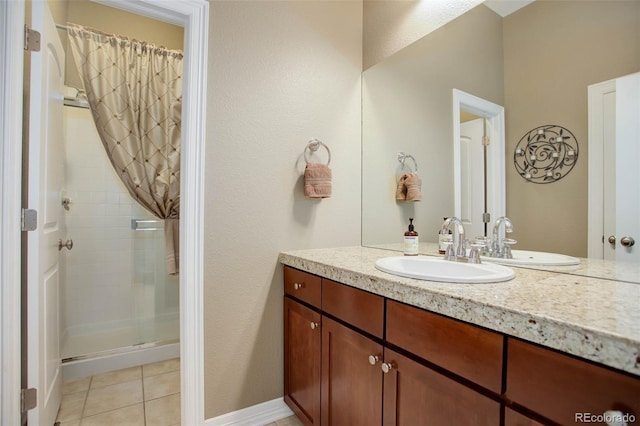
(438, 269)
(535, 258)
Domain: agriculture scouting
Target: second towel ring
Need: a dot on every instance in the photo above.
(313, 146)
(402, 158)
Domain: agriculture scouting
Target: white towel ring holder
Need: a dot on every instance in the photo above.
(313, 146)
(402, 158)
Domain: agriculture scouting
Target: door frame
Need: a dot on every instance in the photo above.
(496, 187)
(193, 15)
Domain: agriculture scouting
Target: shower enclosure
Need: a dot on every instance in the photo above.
(116, 294)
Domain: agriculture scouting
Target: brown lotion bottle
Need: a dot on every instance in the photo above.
(411, 246)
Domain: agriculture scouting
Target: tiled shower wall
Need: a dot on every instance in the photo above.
(115, 277)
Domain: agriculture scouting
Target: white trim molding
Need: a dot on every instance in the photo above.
(260, 414)
(12, 18)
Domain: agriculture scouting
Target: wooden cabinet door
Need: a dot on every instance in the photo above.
(417, 395)
(565, 389)
(351, 385)
(513, 418)
(302, 352)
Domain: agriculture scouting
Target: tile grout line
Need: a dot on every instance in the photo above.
(86, 398)
(144, 398)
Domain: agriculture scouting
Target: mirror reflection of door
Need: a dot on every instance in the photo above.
(479, 162)
(472, 174)
(614, 210)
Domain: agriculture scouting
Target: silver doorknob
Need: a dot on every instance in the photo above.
(627, 241)
(373, 359)
(612, 240)
(67, 244)
(314, 325)
(386, 367)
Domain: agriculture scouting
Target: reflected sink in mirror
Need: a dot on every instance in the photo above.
(437, 269)
(534, 258)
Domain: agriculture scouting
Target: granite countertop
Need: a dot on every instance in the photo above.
(592, 318)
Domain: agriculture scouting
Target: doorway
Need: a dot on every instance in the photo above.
(193, 16)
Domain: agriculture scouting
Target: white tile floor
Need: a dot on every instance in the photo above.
(147, 395)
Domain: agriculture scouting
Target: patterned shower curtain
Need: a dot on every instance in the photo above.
(135, 94)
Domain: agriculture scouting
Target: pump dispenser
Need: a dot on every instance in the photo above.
(411, 245)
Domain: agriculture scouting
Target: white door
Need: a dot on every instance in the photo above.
(472, 177)
(45, 181)
(614, 175)
(627, 215)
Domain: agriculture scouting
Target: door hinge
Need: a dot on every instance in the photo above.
(31, 40)
(28, 399)
(486, 217)
(486, 141)
(29, 220)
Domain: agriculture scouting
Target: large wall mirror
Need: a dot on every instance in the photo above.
(538, 63)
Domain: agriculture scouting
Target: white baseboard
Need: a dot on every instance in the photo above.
(256, 415)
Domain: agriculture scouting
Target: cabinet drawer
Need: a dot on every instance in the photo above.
(357, 307)
(561, 387)
(303, 286)
(466, 350)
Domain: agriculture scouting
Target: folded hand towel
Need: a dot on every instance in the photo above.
(413, 184)
(409, 188)
(317, 181)
(401, 190)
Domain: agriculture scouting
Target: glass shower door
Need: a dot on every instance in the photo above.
(155, 293)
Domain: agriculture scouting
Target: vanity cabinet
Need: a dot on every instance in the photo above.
(356, 358)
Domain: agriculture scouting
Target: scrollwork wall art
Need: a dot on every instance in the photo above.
(546, 154)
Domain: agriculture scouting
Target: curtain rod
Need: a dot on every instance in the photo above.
(62, 27)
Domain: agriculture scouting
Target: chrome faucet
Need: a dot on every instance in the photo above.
(500, 244)
(457, 251)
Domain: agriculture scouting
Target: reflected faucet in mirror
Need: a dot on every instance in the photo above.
(457, 248)
(501, 246)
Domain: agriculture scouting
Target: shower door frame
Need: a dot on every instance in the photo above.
(193, 15)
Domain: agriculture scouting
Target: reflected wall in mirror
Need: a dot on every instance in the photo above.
(537, 62)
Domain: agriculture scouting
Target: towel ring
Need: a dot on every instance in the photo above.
(402, 158)
(313, 146)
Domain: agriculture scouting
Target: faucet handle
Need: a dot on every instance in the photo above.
(462, 248)
(506, 251)
(474, 253)
(450, 253)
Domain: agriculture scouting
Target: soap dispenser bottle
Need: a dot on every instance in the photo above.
(411, 246)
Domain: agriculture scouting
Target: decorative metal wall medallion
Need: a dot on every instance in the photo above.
(546, 154)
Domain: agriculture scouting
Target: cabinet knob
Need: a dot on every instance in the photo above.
(386, 367)
(314, 325)
(373, 359)
(298, 286)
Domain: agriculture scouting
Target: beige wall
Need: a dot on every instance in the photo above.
(407, 107)
(553, 50)
(116, 21)
(280, 73)
(391, 25)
